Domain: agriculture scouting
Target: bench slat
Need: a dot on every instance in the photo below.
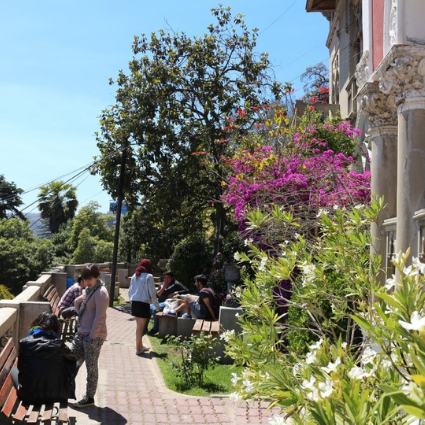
(48, 291)
(48, 412)
(21, 412)
(35, 414)
(197, 327)
(6, 367)
(204, 326)
(63, 412)
(10, 402)
(6, 351)
(6, 389)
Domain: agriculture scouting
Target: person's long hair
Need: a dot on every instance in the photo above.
(145, 266)
(47, 321)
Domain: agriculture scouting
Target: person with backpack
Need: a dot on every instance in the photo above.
(204, 306)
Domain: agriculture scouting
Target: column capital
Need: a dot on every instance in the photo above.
(401, 75)
(378, 106)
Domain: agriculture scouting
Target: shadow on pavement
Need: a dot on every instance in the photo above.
(100, 414)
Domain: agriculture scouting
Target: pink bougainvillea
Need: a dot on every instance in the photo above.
(306, 178)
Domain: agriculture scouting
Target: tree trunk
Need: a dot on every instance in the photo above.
(219, 225)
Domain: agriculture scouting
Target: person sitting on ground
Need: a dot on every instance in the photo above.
(46, 366)
(169, 289)
(66, 303)
(201, 306)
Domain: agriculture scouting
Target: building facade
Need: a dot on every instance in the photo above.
(377, 76)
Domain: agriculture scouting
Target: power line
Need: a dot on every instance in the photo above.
(265, 29)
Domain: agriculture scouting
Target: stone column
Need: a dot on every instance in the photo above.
(382, 114)
(402, 75)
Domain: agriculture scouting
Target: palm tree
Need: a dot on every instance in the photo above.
(57, 204)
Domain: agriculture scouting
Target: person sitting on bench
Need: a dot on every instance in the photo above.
(66, 303)
(46, 366)
(169, 289)
(201, 306)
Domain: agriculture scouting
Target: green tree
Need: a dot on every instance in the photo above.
(9, 199)
(103, 252)
(61, 244)
(86, 249)
(57, 203)
(172, 117)
(89, 218)
(22, 256)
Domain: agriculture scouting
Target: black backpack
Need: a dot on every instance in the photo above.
(216, 301)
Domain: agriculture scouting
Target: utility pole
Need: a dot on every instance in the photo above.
(117, 223)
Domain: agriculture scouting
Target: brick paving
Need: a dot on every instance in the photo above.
(131, 389)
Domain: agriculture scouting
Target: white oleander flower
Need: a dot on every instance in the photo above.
(311, 358)
(308, 271)
(410, 271)
(316, 345)
(308, 385)
(235, 397)
(420, 266)
(248, 241)
(390, 283)
(416, 322)
(237, 257)
(321, 211)
(332, 367)
(344, 345)
(296, 368)
(227, 335)
(262, 266)
(326, 388)
(368, 356)
(249, 387)
(358, 373)
(314, 395)
(235, 378)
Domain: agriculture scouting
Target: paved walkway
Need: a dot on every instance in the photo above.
(131, 389)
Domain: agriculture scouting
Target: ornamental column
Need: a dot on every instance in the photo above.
(382, 135)
(402, 75)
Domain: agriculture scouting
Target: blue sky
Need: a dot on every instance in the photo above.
(56, 58)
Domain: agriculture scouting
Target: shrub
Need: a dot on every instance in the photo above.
(197, 356)
(191, 256)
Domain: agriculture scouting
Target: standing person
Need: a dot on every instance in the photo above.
(91, 308)
(142, 293)
(66, 303)
(46, 366)
(169, 289)
(201, 306)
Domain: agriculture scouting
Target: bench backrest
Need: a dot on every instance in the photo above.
(7, 360)
(53, 297)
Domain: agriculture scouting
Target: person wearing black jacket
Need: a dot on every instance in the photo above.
(169, 289)
(46, 366)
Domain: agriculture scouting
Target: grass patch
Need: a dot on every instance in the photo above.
(119, 301)
(216, 381)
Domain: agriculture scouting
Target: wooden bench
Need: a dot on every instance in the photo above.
(205, 326)
(68, 326)
(11, 406)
